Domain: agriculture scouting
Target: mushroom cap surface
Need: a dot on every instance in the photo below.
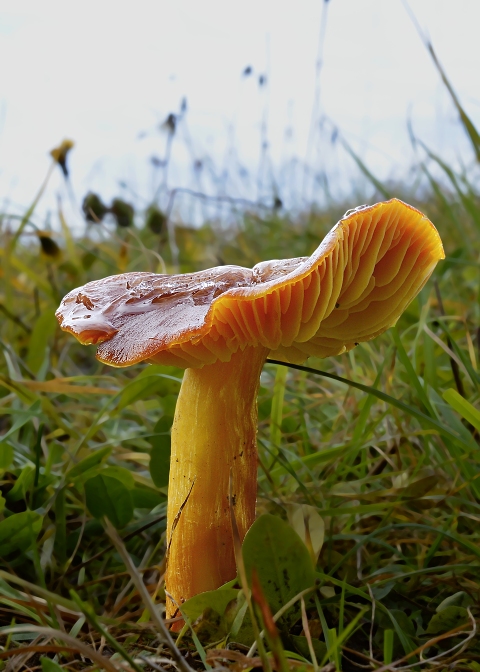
(355, 285)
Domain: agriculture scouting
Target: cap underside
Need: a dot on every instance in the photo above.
(352, 288)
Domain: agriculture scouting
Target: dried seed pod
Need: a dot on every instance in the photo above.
(60, 153)
(93, 207)
(155, 219)
(49, 246)
(123, 212)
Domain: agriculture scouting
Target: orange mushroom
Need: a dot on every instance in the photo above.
(221, 324)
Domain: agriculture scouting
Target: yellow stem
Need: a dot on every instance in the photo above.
(214, 432)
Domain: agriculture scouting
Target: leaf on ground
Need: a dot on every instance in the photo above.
(211, 599)
(107, 496)
(448, 619)
(281, 559)
(49, 665)
(460, 599)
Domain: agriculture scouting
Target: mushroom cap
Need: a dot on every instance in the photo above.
(356, 284)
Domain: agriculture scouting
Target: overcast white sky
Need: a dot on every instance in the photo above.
(103, 72)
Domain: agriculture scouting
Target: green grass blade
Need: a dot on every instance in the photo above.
(277, 406)
(463, 407)
(410, 410)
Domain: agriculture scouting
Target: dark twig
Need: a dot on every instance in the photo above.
(453, 363)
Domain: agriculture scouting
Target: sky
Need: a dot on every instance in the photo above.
(108, 74)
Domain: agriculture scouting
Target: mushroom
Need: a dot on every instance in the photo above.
(220, 325)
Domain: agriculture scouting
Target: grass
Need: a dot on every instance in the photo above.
(372, 457)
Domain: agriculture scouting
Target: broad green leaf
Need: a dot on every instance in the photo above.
(463, 407)
(160, 459)
(146, 498)
(18, 531)
(212, 599)
(122, 474)
(280, 558)
(448, 619)
(460, 599)
(49, 665)
(475, 666)
(107, 496)
(163, 426)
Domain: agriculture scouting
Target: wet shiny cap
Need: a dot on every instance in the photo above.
(356, 284)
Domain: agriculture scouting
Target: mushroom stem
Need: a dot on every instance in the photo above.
(214, 433)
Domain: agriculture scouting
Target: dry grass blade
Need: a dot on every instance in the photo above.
(147, 600)
(244, 662)
(76, 644)
(37, 648)
(306, 629)
(60, 386)
(67, 605)
(431, 642)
